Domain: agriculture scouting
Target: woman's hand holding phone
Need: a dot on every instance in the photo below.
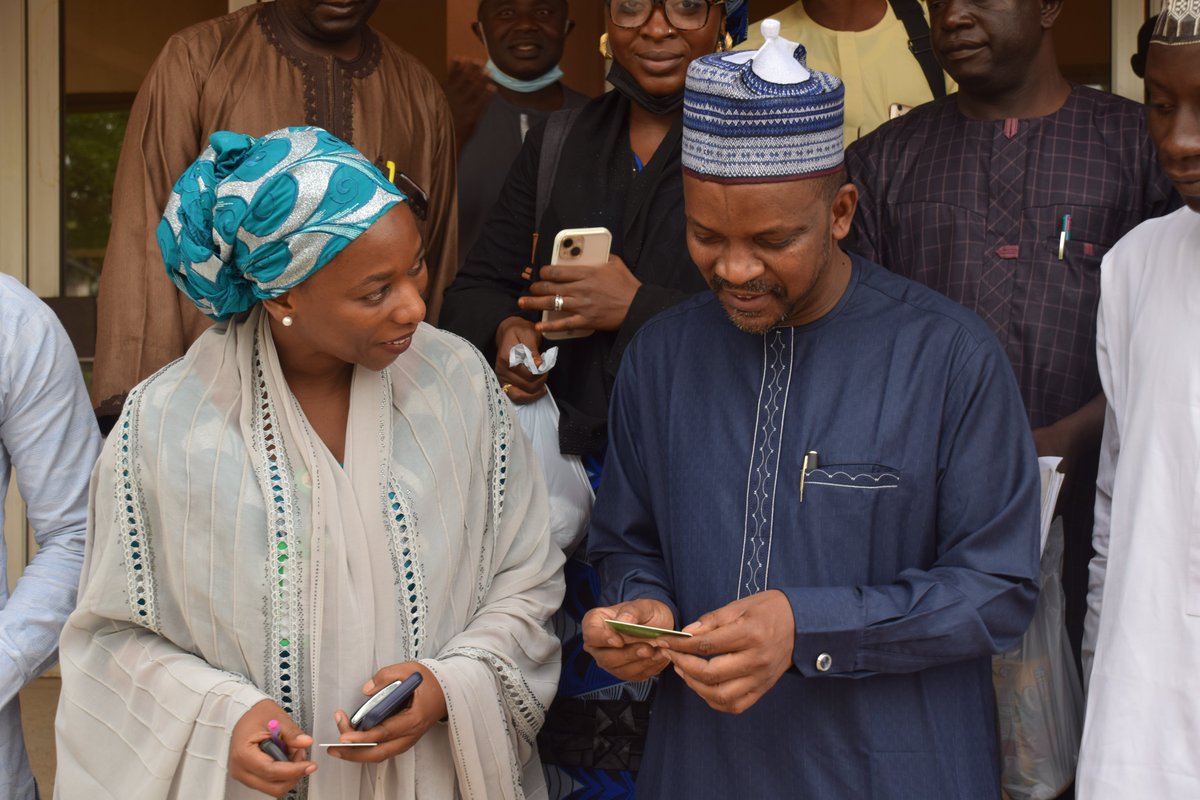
(254, 768)
(400, 731)
(594, 298)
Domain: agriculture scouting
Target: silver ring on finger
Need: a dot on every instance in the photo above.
(558, 302)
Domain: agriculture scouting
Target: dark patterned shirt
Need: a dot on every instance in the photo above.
(974, 209)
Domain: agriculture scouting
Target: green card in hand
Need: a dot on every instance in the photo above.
(643, 631)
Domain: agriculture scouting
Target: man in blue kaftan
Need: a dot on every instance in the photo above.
(837, 494)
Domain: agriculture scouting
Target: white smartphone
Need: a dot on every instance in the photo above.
(585, 247)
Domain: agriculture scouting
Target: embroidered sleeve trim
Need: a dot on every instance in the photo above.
(523, 707)
(470, 791)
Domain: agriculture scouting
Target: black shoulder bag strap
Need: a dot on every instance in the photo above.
(909, 12)
(557, 127)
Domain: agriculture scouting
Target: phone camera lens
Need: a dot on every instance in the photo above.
(575, 251)
(567, 243)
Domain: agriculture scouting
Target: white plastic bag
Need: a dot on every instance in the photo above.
(567, 483)
(1039, 699)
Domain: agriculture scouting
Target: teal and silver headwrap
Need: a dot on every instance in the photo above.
(251, 218)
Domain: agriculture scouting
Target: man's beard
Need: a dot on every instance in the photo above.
(748, 323)
(758, 324)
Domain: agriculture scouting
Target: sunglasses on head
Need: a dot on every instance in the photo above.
(418, 201)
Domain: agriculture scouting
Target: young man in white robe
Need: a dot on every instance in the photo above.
(1142, 639)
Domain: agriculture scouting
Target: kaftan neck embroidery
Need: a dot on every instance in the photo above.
(763, 474)
(328, 82)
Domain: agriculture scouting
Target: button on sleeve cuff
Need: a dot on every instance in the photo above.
(829, 628)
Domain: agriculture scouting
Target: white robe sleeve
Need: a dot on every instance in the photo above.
(149, 717)
(1109, 334)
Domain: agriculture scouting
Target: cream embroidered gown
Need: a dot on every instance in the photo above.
(231, 559)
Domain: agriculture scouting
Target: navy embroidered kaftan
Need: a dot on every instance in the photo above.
(911, 559)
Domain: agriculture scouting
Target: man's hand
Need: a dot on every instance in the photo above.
(400, 731)
(1075, 438)
(736, 653)
(468, 91)
(595, 298)
(521, 386)
(627, 657)
(256, 769)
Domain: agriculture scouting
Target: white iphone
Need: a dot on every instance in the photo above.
(585, 247)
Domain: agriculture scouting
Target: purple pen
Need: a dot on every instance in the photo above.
(273, 729)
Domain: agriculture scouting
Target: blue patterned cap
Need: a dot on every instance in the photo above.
(761, 116)
(251, 218)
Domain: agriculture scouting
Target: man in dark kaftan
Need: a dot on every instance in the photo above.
(836, 494)
(1004, 197)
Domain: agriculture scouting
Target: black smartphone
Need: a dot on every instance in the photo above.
(391, 699)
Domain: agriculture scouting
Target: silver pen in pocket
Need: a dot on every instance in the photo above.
(810, 462)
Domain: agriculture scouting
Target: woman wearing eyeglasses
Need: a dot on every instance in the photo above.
(618, 168)
(322, 497)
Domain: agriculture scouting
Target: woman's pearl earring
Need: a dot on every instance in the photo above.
(287, 320)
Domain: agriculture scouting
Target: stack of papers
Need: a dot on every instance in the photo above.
(1052, 481)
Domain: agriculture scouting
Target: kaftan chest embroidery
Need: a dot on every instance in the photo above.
(764, 461)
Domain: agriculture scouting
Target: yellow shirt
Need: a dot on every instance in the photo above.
(875, 65)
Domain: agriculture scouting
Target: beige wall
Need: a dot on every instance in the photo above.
(111, 44)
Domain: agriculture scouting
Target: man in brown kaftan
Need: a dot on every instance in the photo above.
(291, 62)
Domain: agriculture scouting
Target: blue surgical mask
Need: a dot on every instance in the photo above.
(516, 84)
(525, 87)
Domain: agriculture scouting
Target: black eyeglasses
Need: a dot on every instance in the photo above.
(418, 201)
(682, 15)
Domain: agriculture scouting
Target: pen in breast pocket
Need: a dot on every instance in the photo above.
(1064, 235)
(810, 462)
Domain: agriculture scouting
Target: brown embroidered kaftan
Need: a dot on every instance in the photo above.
(245, 72)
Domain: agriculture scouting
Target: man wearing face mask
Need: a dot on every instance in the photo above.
(494, 106)
(267, 66)
(794, 477)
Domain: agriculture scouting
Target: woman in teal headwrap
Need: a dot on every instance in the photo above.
(322, 496)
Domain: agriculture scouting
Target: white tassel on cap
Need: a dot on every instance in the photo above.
(776, 60)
